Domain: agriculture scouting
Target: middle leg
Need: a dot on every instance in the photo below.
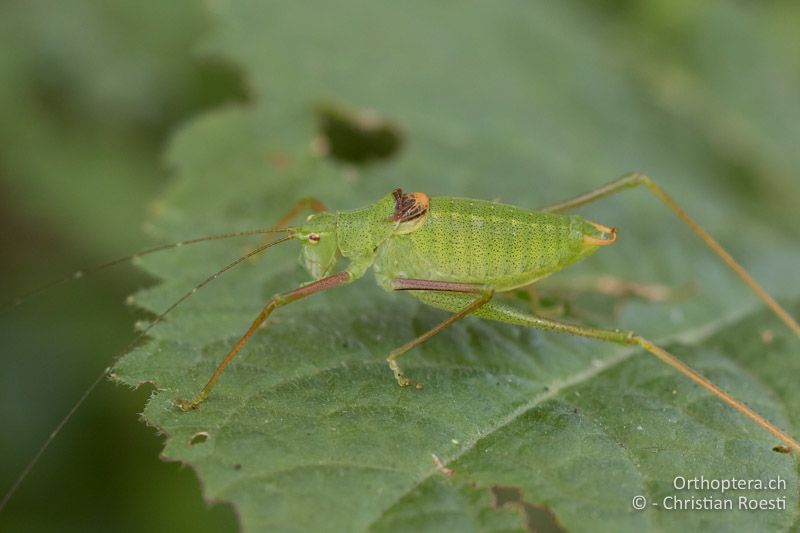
(484, 295)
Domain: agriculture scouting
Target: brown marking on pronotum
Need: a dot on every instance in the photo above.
(409, 206)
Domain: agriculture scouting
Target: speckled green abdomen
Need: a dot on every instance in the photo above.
(492, 244)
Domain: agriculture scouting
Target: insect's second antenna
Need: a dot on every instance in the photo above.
(78, 274)
(7, 496)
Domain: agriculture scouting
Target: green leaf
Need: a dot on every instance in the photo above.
(307, 429)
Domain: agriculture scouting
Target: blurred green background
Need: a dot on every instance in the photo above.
(89, 93)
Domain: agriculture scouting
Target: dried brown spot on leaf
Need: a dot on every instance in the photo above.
(537, 518)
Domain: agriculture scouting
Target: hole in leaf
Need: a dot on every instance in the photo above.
(219, 82)
(536, 517)
(355, 136)
(199, 438)
(504, 495)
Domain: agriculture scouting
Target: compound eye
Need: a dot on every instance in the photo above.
(314, 238)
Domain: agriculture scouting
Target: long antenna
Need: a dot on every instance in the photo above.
(78, 274)
(135, 340)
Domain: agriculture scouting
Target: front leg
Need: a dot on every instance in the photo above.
(276, 301)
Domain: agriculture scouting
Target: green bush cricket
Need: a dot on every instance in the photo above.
(454, 254)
